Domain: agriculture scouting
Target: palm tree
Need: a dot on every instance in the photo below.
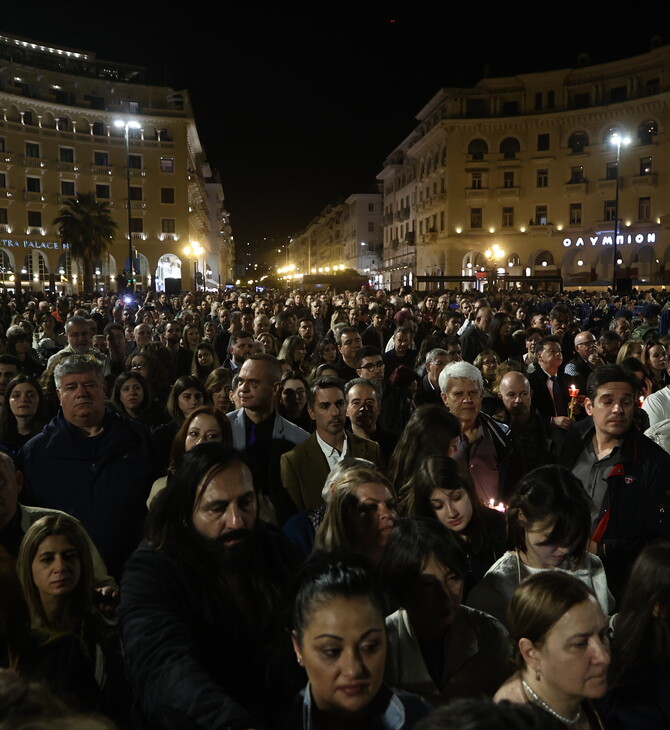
(87, 226)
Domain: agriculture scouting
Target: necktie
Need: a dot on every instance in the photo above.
(252, 435)
(559, 401)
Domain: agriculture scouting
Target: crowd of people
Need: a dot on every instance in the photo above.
(273, 509)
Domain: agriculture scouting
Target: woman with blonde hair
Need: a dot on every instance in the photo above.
(360, 515)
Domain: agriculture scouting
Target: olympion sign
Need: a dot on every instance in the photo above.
(608, 240)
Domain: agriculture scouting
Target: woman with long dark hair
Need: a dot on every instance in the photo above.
(23, 412)
(438, 491)
(639, 676)
(431, 430)
(133, 398)
(500, 337)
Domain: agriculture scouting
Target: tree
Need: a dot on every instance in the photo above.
(87, 226)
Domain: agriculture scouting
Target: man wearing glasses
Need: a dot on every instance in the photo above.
(585, 360)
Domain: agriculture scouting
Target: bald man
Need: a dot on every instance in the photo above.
(535, 440)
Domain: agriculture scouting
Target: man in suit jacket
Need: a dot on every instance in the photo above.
(305, 468)
(585, 360)
(262, 433)
(551, 406)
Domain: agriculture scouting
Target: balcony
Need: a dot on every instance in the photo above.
(508, 193)
(644, 181)
(608, 187)
(575, 189)
(101, 169)
(476, 195)
(34, 197)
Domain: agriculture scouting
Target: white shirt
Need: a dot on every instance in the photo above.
(333, 456)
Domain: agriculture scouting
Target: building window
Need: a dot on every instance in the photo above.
(476, 180)
(647, 131)
(645, 166)
(611, 171)
(4, 220)
(167, 164)
(135, 162)
(101, 159)
(542, 142)
(2, 144)
(575, 214)
(34, 184)
(135, 192)
(67, 188)
(508, 180)
(475, 217)
(98, 129)
(32, 149)
(577, 174)
(136, 225)
(168, 225)
(477, 149)
(371, 227)
(654, 86)
(3, 180)
(644, 209)
(581, 101)
(167, 195)
(371, 207)
(542, 178)
(538, 100)
(541, 215)
(617, 94)
(577, 142)
(510, 148)
(102, 191)
(66, 154)
(508, 217)
(34, 219)
(63, 124)
(610, 210)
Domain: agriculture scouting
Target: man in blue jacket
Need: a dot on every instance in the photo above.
(91, 462)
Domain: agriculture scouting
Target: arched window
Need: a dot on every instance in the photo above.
(510, 148)
(477, 149)
(647, 131)
(577, 142)
(544, 258)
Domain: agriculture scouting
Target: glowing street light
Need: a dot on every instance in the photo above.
(194, 250)
(617, 140)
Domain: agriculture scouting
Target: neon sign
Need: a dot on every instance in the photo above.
(608, 239)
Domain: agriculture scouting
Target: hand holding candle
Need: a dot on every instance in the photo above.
(573, 391)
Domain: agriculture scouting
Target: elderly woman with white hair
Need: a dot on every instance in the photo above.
(484, 448)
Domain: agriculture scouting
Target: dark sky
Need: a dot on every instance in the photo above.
(297, 111)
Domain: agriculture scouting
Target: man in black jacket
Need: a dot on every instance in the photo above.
(624, 473)
(203, 599)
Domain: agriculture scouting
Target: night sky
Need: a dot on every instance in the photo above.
(297, 111)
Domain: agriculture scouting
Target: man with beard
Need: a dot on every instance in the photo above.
(180, 358)
(363, 397)
(203, 599)
(535, 440)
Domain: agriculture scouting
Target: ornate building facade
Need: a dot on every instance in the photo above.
(72, 124)
(535, 175)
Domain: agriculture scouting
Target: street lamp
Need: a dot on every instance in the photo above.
(494, 255)
(126, 126)
(617, 140)
(195, 250)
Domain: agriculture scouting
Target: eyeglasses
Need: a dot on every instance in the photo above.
(373, 366)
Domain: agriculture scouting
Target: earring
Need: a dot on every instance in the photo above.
(537, 675)
(299, 658)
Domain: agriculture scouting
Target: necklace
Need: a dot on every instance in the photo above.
(539, 701)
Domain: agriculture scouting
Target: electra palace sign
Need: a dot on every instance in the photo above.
(53, 245)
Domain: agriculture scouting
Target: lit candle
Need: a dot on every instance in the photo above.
(574, 391)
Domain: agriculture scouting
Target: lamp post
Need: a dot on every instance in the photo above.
(126, 126)
(195, 250)
(494, 255)
(617, 140)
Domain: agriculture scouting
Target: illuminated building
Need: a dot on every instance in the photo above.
(526, 164)
(64, 116)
